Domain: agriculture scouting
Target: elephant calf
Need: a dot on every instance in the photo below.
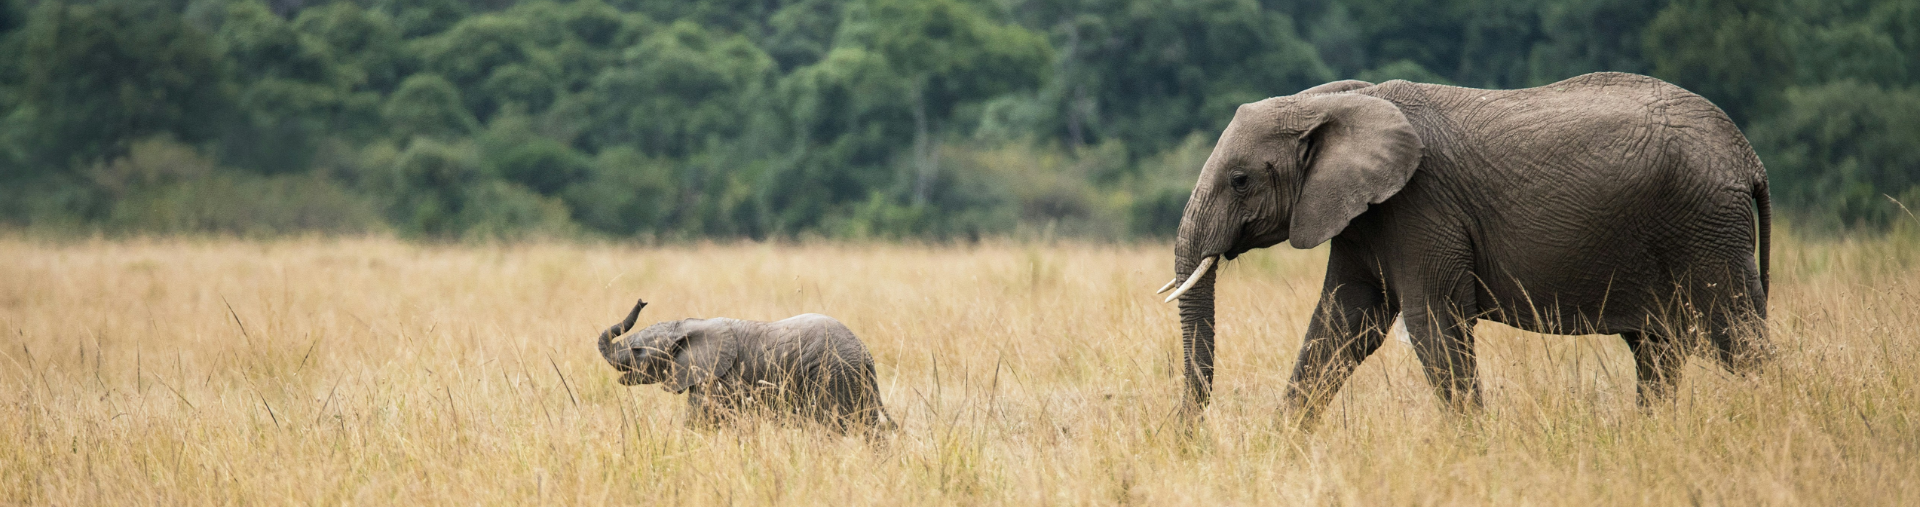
(807, 365)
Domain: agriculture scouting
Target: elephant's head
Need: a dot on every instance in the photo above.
(679, 354)
(1294, 168)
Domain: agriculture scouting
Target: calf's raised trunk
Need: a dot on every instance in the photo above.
(623, 357)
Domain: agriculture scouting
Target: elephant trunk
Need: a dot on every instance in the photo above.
(1199, 246)
(623, 357)
(1196, 333)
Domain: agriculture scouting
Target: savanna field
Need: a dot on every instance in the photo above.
(377, 371)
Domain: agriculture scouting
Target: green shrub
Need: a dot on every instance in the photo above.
(543, 165)
(623, 194)
(427, 105)
(165, 187)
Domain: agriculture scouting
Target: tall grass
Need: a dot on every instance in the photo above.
(374, 371)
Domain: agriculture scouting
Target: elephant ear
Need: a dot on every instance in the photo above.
(1364, 150)
(707, 353)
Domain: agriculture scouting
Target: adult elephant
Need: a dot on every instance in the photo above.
(1607, 204)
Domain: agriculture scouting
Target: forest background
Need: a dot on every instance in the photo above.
(665, 120)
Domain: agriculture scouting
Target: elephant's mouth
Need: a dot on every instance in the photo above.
(1231, 253)
(1250, 238)
(1255, 243)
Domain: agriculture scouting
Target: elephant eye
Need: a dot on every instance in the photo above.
(1239, 181)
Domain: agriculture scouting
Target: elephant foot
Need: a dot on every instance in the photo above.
(1192, 410)
(1189, 416)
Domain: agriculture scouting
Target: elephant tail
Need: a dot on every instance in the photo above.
(1763, 208)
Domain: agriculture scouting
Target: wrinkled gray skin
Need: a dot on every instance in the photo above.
(808, 365)
(1606, 204)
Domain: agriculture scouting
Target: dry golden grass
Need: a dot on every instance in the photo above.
(371, 371)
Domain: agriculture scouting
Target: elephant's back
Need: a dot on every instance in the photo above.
(1614, 83)
(811, 319)
(1592, 90)
(1607, 138)
(817, 326)
(1601, 104)
(824, 337)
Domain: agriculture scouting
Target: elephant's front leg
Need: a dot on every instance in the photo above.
(1442, 335)
(706, 407)
(1347, 327)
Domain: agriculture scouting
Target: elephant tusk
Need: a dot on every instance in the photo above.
(1169, 285)
(1198, 272)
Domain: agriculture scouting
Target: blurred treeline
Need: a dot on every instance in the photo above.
(665, 119)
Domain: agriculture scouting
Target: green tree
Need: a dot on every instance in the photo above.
(419, 18)
(951, 53)
(515, 152)
(442, 190)
(1900, 20)
(367, 53)
(679, 91)
(13, 16)
(802, 32)
(1730, 51)
(1854, 40)
(12, 19)
(1495, 39)
(848, 114)
(583, 37)
(494, 59)
(99, 76)
(1427, 33)
(290, 92)
(862, 118)
(624, 193)
(427, 105)
(366, 44)
(1584, 36)
(729, 16)
(1838, 150)
(1149, 72)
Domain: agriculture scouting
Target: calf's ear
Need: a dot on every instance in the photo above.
(706, 353)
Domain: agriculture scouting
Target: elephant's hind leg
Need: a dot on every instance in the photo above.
(847, 399)
(1728, 305)
(1739, 342)
(1657, 360)
(864, 402)
(1738, 327)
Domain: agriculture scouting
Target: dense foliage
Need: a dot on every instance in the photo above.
(842, 118)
